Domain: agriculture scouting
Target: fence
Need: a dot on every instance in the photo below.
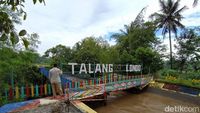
(32, 91)
(36, 91)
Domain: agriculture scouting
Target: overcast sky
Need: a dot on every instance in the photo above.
(69, 21)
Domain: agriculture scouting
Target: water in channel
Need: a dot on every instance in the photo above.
(150, 100)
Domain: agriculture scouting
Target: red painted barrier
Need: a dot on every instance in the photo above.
(73, 84)
(27, 91)
(101, 81)
(81, 84)
(10, 93)
(94, 82)
(41, 90)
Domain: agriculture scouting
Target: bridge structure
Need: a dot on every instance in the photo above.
(95, 86)
(76, 87)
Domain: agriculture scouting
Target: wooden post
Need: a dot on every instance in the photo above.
(45, 89)
(36, 90)
(94, 82)
(88, 82)
(49, 89)
(16, 92)
(32, 90)
(81, 85)
(70, 85)
(78, 84)
(22, 92)
(41, 90)
(6, 95)
(10, 93)
(99, 80)
(73, 84)
(105, 79)
(67, 85)
(27, 91)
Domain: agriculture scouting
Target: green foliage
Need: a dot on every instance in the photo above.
(188, 50)
(182, 82)
(169, 72)
(59, 54)
(20, 64)
(11, 13)
(26, 42)
(174, 73)
(137, 45)
(4, 37)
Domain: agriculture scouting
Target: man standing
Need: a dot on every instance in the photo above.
(54, 77)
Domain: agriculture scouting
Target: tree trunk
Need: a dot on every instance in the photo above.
(170, 45)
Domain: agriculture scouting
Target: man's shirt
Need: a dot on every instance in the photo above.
(54, 75)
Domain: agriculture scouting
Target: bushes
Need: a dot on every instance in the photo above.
(169, 72)
(187, 75)
(191, 79)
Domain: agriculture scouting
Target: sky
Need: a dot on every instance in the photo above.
(69, 21)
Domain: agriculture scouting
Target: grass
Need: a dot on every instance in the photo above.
(182, 82)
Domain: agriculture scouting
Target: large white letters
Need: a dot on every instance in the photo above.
(73, 64)
(90, 71)
(102, 68)
(110, 66)
(98, 68)
(83, 69)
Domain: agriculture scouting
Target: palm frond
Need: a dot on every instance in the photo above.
(170, 5)
(139, 18)
(163, 5)
(178, 24)
(175, 6)
(195, 3)
(181, 10)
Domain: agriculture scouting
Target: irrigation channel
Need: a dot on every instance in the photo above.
(150, 100)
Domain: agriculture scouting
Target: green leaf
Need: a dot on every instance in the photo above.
(22, 32)
(40, 1)
(14, 38)
(6, 29)
(4, 37)
(26, 42)
(25, 15)
(34, 1)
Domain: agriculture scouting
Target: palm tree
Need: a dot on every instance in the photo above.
(122, 37)
(168, 19)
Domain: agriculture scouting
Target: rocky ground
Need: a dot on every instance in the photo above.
(58, 107)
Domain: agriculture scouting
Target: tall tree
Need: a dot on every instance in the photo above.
(169, 19)
(59, 54)
(188, 49)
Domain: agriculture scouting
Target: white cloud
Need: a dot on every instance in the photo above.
(69, 21)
